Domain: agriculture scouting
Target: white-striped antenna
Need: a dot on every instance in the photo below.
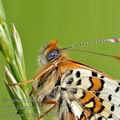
(75, 46)
(114, 40)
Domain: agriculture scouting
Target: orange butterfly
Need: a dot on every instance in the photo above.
(77, 91)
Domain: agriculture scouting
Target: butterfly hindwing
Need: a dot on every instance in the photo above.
(98, 95)
(69, 109)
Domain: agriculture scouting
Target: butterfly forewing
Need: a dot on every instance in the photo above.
(98, 96)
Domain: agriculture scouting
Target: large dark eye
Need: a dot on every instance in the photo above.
(52, 55)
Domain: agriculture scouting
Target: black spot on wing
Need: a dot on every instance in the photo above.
(63, 89)
(101, 100)
(102, 76)
(117, 89)
(112, 108)
(71, 71)
(78, 82)
(119, 83)
(69, 82)
(94, 74)
(110, 97)
(78, 74)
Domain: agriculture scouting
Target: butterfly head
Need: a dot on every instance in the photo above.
(50, 52)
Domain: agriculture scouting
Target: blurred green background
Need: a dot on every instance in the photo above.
(69, 21)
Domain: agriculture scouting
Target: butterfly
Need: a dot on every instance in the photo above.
(76, 91)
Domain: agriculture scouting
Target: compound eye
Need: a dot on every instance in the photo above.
(52, 55)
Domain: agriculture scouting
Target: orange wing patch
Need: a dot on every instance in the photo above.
(97, 84)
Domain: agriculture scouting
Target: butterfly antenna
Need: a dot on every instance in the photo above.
(115, 40)
(97, 53)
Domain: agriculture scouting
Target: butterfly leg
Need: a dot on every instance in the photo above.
(54, 102)
(48, 101)
(22, 83)
(37, 76)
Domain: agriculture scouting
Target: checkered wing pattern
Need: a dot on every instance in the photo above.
(88, 95)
